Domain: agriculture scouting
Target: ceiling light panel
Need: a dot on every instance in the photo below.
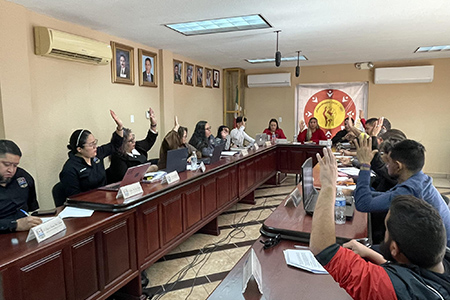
(433, 49)
(220, 25)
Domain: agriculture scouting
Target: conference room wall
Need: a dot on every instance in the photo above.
(45, 99)
(421, 110)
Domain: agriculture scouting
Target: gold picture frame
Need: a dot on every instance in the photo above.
(198, 76)
(189, 76)
(122, 64)
(147, 60)
(208, 77)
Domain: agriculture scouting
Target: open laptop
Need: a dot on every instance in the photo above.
(133, 175)
(260, 139)
(310, 194)
(177, 160)
(216, 155)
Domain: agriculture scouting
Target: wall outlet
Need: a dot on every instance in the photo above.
(132, 118)
(280, 119)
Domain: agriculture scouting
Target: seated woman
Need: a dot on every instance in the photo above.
(175, 139)
(132, 153)
(312, 133)
(84, 170)
(274, 129)
(202, 139)
(223, 136)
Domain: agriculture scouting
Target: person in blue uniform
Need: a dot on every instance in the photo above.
(132, 153)
(17, 191)
(84, 170)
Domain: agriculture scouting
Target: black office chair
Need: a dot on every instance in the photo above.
(58, 194)
(446, 199)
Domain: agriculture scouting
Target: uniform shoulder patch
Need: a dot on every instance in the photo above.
(22, 182)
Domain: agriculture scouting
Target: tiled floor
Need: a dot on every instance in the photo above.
(208, 258)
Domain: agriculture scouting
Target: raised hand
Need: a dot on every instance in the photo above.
(328, 168)
(153, 121)
(301, 125)
(364, 150)
(116, 119)
(378, 126)
(176, 124)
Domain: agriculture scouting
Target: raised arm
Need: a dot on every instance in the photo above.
(153, 121)
(323, 228)
(119, 129)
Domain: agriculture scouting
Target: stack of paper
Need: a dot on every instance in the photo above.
(303, 259)
(74, 212)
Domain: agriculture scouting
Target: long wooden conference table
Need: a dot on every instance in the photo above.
(94, 257)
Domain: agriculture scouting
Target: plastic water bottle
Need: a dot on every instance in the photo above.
(274, 139)
(339, 207)
(194, 161)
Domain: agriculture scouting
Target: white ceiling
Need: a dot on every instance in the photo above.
(327, 31)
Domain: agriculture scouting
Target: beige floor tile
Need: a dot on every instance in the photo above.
(216, 263)
(160, 272)
(210, 287)
(274, 191)
(236, 253)
(176, 250)
(198, 293)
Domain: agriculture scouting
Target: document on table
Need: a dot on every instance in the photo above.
(303, 259)
(74, 212)
(352, 171)
(228, 153)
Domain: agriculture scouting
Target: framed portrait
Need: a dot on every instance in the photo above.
(147, 68)
(216, 78)
(177, 71)
(208, 78)
(198, 76)
(122, 64)
(189, 78)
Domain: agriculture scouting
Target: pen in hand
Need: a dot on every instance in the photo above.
(25, 213)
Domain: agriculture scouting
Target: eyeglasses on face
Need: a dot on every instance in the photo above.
(92, 144)
(272, 242)
(132, 141)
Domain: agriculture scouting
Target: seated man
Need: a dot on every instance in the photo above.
(341, 136)
(238, 135)
(414, 243)
(404, 162)
(17, 191)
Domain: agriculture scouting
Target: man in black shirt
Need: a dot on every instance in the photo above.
(17, 191)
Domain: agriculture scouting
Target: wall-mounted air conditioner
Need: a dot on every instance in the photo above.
(404, 75)
(59, 44)
(269, 80)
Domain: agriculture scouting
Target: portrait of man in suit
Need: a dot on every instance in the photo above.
(147, 75)
(208, 77)
(199, 76)
(123, 71)
(189, 73)
(216, 80)
(177, 72)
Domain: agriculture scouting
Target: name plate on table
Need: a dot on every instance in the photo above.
(244, 152)
(252, 267)
(172, 177)
(268, 143)
(202, 167)
(130, 190)
(256, 146)
(46, 230)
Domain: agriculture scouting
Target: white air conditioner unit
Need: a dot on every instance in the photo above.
(54, 43)
(404, 75)
(269, 80)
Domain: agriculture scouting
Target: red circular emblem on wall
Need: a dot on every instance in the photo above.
(330, 108)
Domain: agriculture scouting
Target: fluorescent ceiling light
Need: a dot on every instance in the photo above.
(433, 49)
(266, 60)
(220, 25)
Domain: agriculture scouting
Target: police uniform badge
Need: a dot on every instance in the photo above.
(22, 182)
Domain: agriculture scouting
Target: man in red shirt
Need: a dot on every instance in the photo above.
(414, 264)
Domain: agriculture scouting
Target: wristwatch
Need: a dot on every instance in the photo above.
(13, 226)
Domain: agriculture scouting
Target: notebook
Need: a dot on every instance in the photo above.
(310, 194)
(133, 174)
(177, 160)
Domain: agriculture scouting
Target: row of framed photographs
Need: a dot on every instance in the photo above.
(122, 69)
(122, 65)
(200, 76)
